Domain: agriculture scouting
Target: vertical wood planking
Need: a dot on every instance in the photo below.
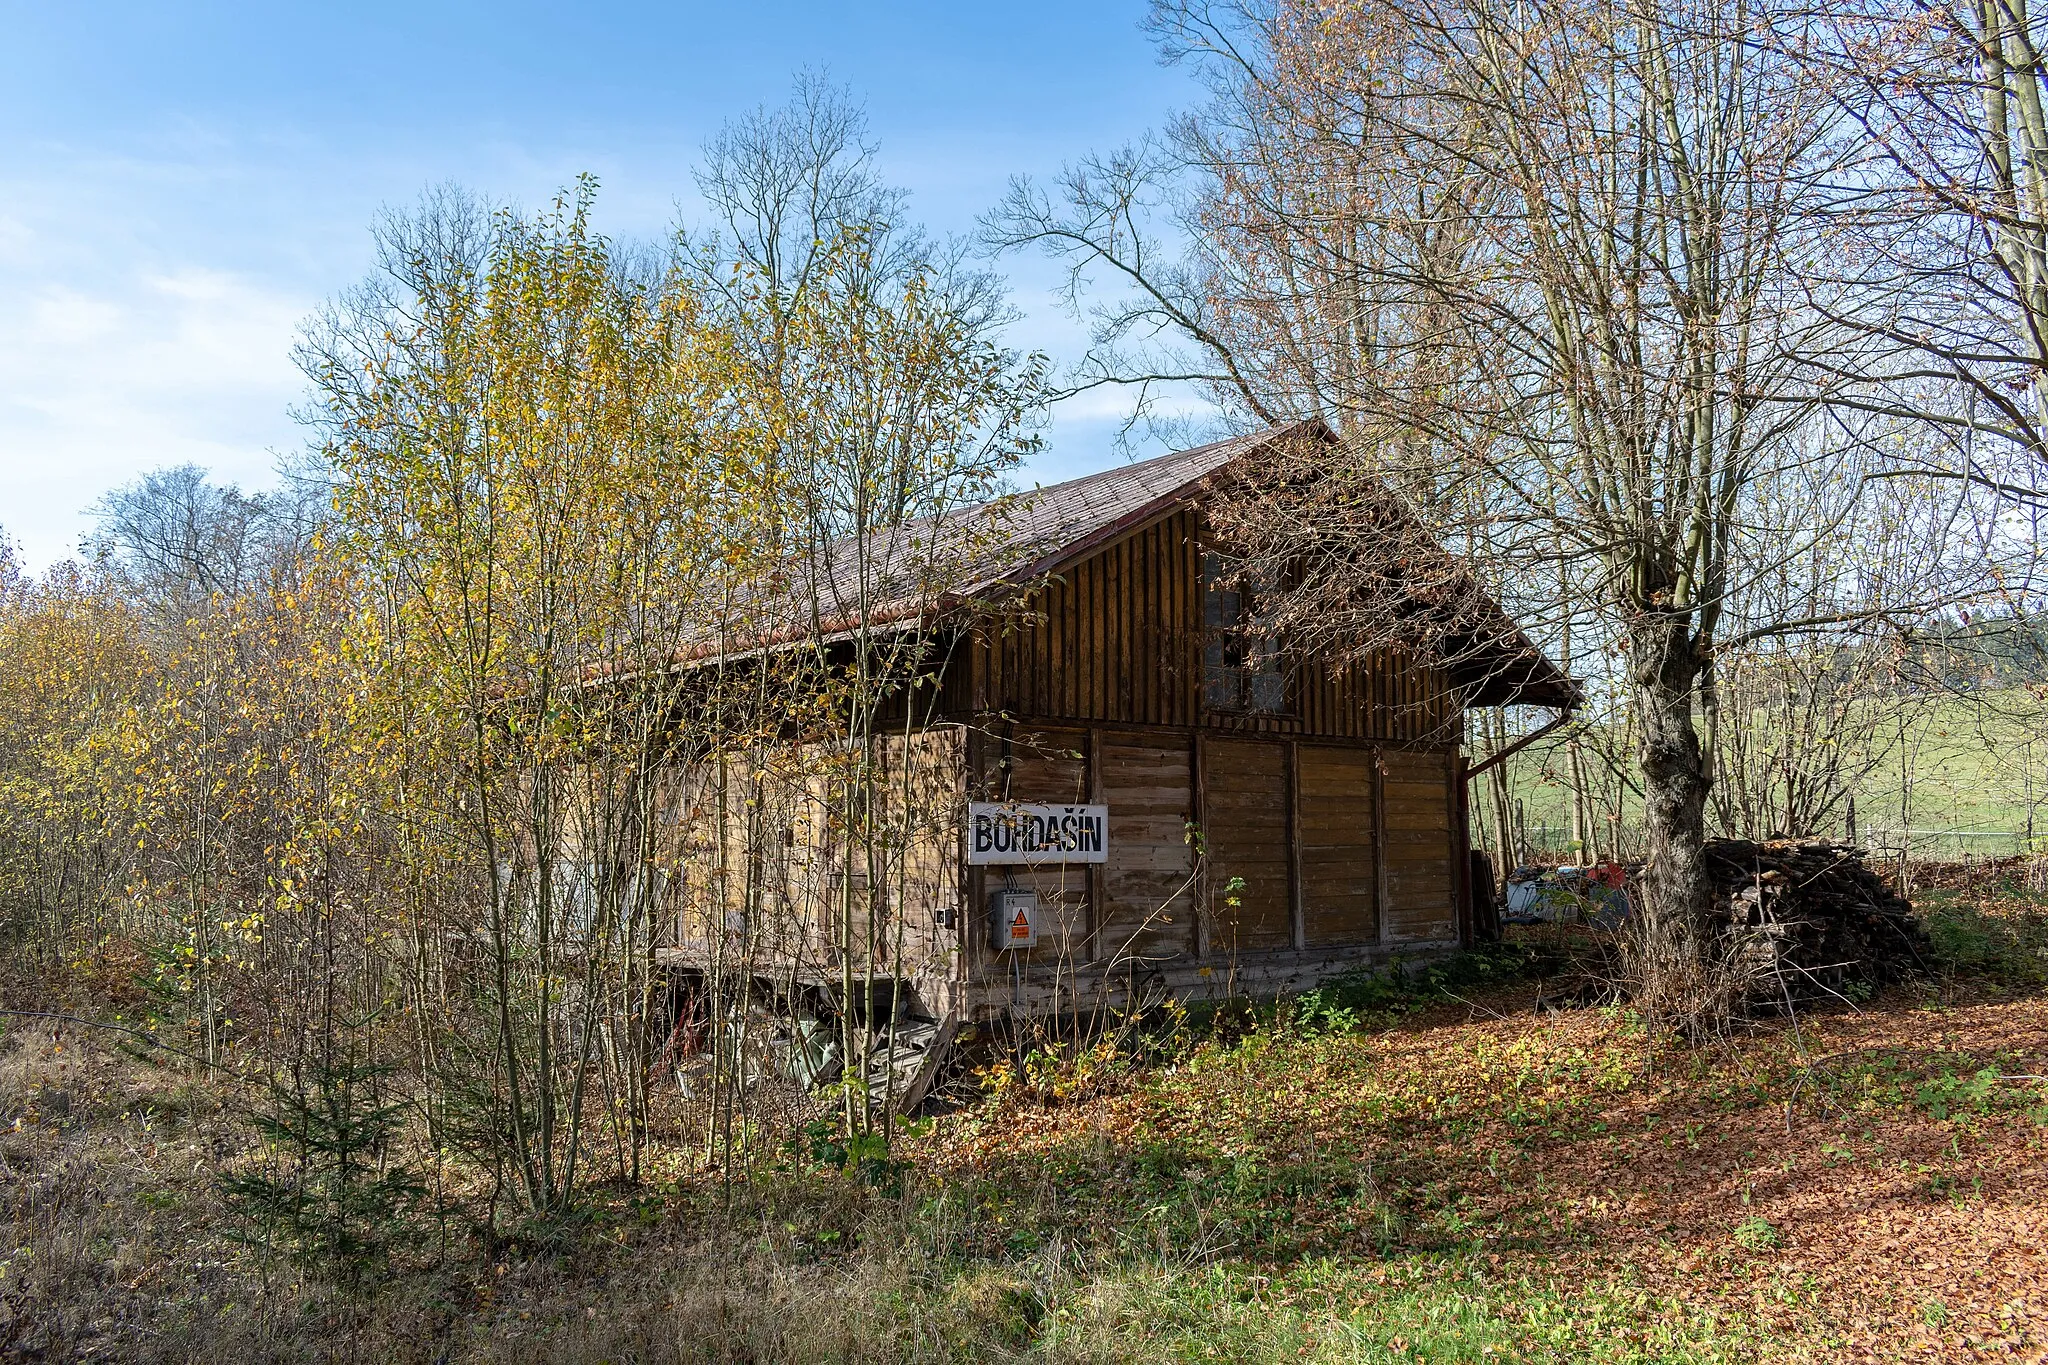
(1140, 628)
(1186, 649)
(1163, 586)
(1074, 675)
(1157, 627)
(1117, 639)
(1121, 697)
(1116, 591)
(976, 878)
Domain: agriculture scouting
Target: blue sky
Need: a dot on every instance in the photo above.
(180, 184)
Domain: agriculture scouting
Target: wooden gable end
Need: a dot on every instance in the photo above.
(1114, 637)
(1117, 638)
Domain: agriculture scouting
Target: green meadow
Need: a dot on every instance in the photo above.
(1967, 774)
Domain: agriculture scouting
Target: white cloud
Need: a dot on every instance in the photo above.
(64, 318)
(151, 282)
(98, 385)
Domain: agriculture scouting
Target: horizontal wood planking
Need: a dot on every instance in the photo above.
(1245, 836)
(1050, 765)
(1147, 893)
(1339, 877)
(1421, 892)
(1046, 764)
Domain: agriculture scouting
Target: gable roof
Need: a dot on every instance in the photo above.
(939, 565)
(1012, 540)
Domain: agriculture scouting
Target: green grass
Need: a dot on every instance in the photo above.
(1964, 765)
(2004, 939)
(1375, 1172)
(1435, 1309)
(1292, 1188)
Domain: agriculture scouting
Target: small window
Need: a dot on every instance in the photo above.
(1240, 664)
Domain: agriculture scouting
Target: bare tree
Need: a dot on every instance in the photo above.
(1542, 267)
(895, 405)
(1948, 208)
(175, 541)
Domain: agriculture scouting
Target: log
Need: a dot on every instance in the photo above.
(1809, 919)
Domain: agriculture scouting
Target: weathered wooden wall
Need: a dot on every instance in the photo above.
(776, 876)
(1046, 765)
(1224, 850)
(1421, 896)
(1139, 906)
(1116, 638)
(1327, 824)
(1338, 818)
(1246, 838)
(1323, 833)
(1148, 905)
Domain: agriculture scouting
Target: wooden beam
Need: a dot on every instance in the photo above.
(973, 880)
(1524, 742)
(1297, 907)
(1198, 797)
(978, 650)
(1379, 845)
(1461, 848)
(1093, 871)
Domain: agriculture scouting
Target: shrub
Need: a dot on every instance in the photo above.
(1755, 1233)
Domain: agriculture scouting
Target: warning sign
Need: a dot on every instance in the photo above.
(1014, 919)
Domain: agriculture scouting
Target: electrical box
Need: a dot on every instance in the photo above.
(1013, 919)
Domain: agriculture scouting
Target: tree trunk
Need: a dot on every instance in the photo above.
(1675, 983)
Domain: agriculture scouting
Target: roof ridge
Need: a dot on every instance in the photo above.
(1242, 439)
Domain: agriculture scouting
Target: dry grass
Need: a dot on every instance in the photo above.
(1475, 1181)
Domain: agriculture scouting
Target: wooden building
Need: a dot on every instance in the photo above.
(1269, 821)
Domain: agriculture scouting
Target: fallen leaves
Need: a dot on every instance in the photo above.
(1562, 1145)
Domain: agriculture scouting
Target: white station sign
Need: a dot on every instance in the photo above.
(1013, 832)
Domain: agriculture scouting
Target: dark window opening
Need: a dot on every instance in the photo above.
(1240, 662)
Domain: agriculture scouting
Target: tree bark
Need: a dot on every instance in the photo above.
(1670, 954)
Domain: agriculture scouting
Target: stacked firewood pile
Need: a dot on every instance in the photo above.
(1809, 919)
